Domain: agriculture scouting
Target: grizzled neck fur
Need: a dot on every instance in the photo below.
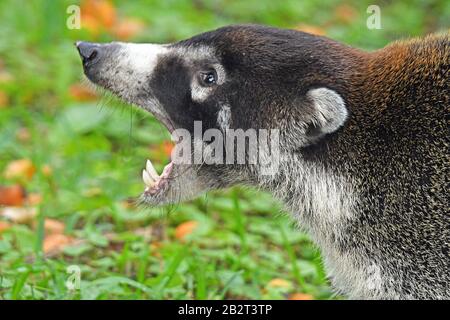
(364, 191)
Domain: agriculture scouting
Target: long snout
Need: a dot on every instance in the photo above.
(122, 68)
(89, 51)
(127, 58)
(94, 56)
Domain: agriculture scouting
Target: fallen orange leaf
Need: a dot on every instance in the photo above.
(23, 134)
(310, 29)
(92, 192)
(55, 242)
(279, 283)
(106, 12)
(100, 11)
(91, 24)
(154, 248)
(185, 229)
(5, 76)
(4, 99)
(4, 226)
(53, 226)
(12, 195)
(300, 296)
(22, 168)
(46, 170)
(80, 92)
(345, 13)
(127, 28)
(33, 199)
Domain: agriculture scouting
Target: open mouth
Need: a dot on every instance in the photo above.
(103, 64)
(157, 183)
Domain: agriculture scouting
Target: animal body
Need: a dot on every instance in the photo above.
(363, 140)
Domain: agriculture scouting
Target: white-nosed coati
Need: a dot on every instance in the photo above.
(363, 140)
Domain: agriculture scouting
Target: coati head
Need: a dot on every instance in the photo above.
(244, 77)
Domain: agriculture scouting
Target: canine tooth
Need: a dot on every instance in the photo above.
(151, 170)
(147, 180)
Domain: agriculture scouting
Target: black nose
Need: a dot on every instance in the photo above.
(89, 51)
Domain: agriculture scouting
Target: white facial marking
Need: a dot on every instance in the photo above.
(199, 92)
(129, 71)
(141, 57)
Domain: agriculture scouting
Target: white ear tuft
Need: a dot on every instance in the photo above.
(330, 112)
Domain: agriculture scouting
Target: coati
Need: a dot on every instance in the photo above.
(363, 140)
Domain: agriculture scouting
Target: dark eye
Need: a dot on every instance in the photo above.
(208, 78)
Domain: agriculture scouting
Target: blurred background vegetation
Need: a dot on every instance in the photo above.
(70, 161)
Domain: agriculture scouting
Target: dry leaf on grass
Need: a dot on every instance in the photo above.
(105, 12)
(91, 24)
(22, 168)
(279, 283)
(4, 99)
(100, 15)
(5, 76)
(52, 226)
(46, 170)
(93, 192)
(12, 195)
(33, 199)
(345, 13)
(4, 226)
(97, 15)
(23, 134)
(300, 296)
(55, 242)
(18, 215)
(185, 229)
(155, 249)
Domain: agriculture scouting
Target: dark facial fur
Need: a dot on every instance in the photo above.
(363, 140)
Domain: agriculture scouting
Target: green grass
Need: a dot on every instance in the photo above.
(96, 151)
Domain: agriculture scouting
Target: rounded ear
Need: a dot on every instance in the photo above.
(328, 112)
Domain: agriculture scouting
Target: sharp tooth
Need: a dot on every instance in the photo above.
(147, 180)
(151, 170)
